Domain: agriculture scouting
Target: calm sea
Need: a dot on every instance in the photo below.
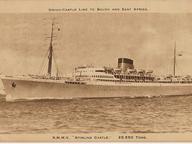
(170, 114)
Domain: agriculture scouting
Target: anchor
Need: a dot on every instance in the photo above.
(13, 84)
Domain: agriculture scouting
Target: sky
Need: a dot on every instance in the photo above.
(95, 39)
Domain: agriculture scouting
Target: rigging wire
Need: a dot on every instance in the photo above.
(43, 64)
(56, 65)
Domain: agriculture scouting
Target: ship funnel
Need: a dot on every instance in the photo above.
(125, 63)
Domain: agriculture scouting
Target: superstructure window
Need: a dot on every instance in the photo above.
(99, 71)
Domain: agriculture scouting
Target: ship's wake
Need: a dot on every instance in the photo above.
(8, 98)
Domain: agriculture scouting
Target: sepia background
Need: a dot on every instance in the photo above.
(95, 39)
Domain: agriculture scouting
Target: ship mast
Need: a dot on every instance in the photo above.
(50, 56)
(174, 61)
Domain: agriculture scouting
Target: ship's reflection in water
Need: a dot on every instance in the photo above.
(170, 114)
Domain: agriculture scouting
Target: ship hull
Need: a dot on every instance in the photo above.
(2, 92)
(53, 89)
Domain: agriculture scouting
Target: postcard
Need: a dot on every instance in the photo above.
(95, 71)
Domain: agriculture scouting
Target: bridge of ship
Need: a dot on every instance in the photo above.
(111, 74)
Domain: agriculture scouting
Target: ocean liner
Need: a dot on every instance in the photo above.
(93, 82)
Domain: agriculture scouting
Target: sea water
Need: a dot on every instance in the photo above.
(148, 115)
